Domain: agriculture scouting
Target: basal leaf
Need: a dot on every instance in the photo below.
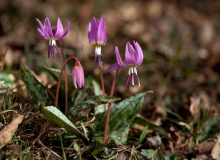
(7, 82)
(97, 91)
(143, 122)
(92, 101)
(121, 117)
(143, 134)
(56, 116)
(36, 91)
(210, 128)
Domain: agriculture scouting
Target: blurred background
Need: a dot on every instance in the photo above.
(180, 40)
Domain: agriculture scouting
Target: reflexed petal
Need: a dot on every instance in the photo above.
(47, 28)
(59, 31)
(101, 34)
(89, 29)
(113, 67)
(41, 25)
(93, 32)
(130, 54)
(67, 29)
(118, 57)
(139, 52)
(41, 33)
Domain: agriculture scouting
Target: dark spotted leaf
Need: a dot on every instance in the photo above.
(56, 116)
(36, 91)
(121, 117)
(91, 101)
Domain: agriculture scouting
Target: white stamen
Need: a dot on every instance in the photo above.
(129, 71)
(98, 50)
(132, 72)
(52, 42)
(135, 70)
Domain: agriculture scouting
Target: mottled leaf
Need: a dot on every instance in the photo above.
(36, 91)
(210, 128)
(121, 116)
(92, 101)
(56, 116)
(143, 122)
(153, 154)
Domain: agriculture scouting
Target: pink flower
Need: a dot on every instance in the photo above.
(78, 75)
(47, 33)
(133, 58)
(97, 37)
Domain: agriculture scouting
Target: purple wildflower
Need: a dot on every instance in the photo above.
(78, 75)
(133, 58)
(52, 34)
(97, 37)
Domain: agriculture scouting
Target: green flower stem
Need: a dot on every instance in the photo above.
(66, 84)
(58, 83)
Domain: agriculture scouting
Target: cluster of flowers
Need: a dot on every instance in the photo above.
(97, 38)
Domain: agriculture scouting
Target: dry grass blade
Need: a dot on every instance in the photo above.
(7, 132)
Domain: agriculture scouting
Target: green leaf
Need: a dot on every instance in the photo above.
(76, 147)
(98, 139)
(55, 73)
(97, 91)
(7, 81)
(36, 91)
(210, 128)
(143, 134)
(97, 151)
(143, 122)
(153, 154)
(92, 101)
(121, 116)
(56, 116)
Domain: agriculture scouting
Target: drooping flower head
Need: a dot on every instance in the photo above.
(97, 37)
(78, 75)
(52, 34)
(133, 58)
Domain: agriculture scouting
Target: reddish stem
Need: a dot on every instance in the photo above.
(58, 83)
(102, 83)
(66, 84)
(109, 108)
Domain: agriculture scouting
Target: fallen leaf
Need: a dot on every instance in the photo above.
(7, 132)
(13, 149)
(204, 147)
(215, 151)
(201, 157)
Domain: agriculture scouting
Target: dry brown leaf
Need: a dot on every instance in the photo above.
(121, 156)
(201, 157)
(7, 132)
(204, 147)
(13, 149)
(215, 151)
